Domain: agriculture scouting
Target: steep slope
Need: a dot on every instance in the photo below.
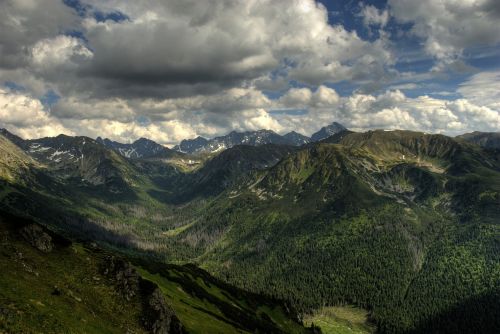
(52, 285)
(15, 164)
(254, 138)
(12, 137)
(81, 159)
(327, 131)
(230, 167)
(483, 139)
(337, 137)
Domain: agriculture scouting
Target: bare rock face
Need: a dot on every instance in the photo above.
(159, 317)
(125, 276)
(37, 237)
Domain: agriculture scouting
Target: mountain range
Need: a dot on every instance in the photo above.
(141, 148)
(254, 138)
(400, 226)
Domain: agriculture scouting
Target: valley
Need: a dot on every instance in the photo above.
(401, 224)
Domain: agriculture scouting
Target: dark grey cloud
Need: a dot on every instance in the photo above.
(173, 48)
(492, 8)
(24, 22)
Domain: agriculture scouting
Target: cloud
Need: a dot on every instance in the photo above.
(59, 53)
(166, 49)
(449, 27)
(168, 120)
(26, 116)
(303, 98)
(390, 110)
(372, 16)
(25, 22)
(482, 88)
(395, 110)
(474, 116)
(167, 132)
(112, 109)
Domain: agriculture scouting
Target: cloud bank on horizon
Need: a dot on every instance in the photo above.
(176, 69)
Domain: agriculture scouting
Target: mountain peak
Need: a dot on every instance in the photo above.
(328, 131)
(252, 138)
(296, 138)
(144, 140)
(141, 148)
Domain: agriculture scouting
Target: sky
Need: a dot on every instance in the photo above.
(175, 69)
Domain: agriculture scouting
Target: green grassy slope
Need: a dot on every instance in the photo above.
(15, 164)
(61, 291)
(206, 305)
(341, 320)
(66, 290)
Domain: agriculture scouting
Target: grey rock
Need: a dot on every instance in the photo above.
(159, 317)
(125, 276)
(37, 237)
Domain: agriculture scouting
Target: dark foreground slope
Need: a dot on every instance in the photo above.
(52, 285)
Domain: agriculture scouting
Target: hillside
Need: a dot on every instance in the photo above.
(489, 140)
(44, 275)
(15, 163)
(384, 220)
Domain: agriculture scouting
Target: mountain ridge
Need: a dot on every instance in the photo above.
(259, 137)
(141, 148)
(489, 140)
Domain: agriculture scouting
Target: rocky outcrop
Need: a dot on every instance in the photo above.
(125, 276)
(37, 237)
(158, 316)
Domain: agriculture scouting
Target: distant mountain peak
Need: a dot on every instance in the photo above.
(141, 148)
(296, 138)
(252, 138)
(328, 131)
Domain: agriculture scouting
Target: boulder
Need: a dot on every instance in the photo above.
(37, 237)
